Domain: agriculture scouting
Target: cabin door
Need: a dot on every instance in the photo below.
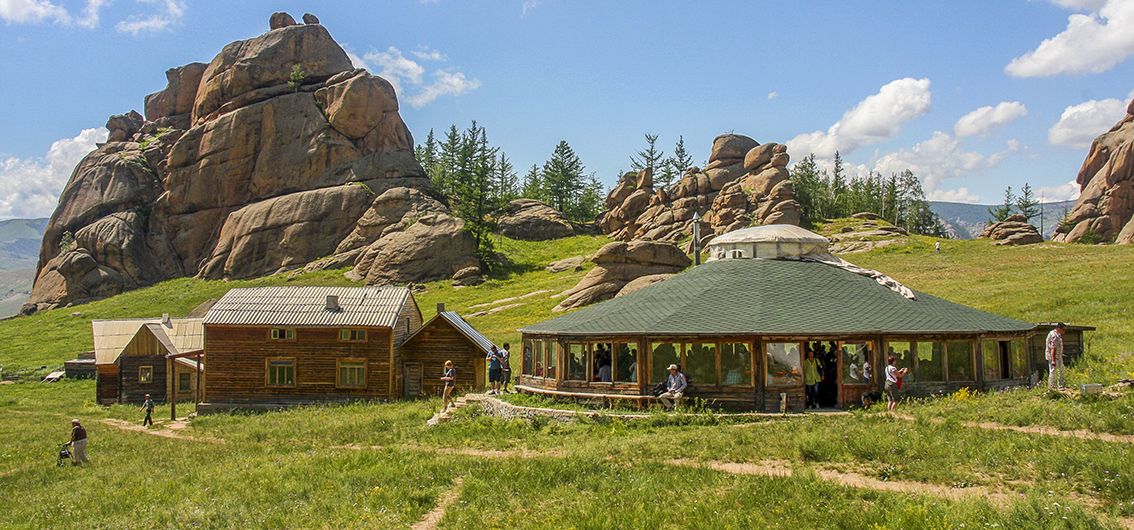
(479, 373)
(412, 382)
(857, 371)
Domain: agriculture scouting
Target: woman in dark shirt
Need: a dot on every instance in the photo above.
(449, 376)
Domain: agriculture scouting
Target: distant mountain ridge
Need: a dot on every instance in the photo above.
(966, 221)
(19, 252)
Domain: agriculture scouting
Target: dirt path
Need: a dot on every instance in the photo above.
(1082, 434)
(169, 430)
(509, 299)
(433, 518)
(779, 468)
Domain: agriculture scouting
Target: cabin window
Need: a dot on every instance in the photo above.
(602, 361)
(540, 361)
(551, 362)
(960, 360)
(350, 373)
(903, 353)
(625, 363)
(856, 362)
(930, 361)
(701, 363)
(784, 364)
(1019, 359)
(283, 334)
(576, 362)
(736, 364)
(145, 374)
(184, 383)
(352, 335)
(526, 368)
(663, 354)
(280, 372)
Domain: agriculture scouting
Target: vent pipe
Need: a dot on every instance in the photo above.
(333, 303)
(165, 321)
(440, 308)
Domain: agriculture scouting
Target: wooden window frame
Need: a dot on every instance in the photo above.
(286, 338)
(567, 375)
(268, 372)
(145, 380)
(749, 345)
(615, 373)
(365, 372)
(799, 344)
(189, 382)
(973, 367)
(350, 333)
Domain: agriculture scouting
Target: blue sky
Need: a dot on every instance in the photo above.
(973, 96)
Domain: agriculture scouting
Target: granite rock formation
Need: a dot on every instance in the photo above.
(532, 220)
(619, 263)
(744, 184)
(1015, 230)
(1105, 209)
(233, 172)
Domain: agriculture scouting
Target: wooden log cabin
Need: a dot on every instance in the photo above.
(272, 347)
(446, 337)
(156, 356)
(742, 324)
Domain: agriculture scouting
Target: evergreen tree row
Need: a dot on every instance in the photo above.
(1026, 204)
(899, 198)
(666, 170)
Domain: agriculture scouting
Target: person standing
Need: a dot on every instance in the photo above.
(1054, 355)
(148, 406)
(675, 384)
(893, 376)
(811, 378)
(449, 377)
(78, 443)
(495, 370)
(937, 247)
(506, 367)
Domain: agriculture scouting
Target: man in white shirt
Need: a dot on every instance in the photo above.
(675, 384)
(1054, 355)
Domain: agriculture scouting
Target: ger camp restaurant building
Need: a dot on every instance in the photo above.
(740, 323)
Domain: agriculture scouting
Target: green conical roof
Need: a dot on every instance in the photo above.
(774, 297)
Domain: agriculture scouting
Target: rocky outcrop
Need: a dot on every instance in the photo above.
(866, 231)
(232, 173)
(1105, 209)
(743, 184)
(619, 263)
(574, 263)
(641, 282)
(1015, 230)
(532, 220)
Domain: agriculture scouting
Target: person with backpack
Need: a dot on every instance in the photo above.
(148, 406)
(675, 384)
(449, 377)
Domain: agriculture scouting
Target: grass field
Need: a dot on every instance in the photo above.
(379, 466)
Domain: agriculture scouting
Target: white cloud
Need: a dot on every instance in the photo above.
(408, 76)
(939, 158)
(426, 53)
(30, 187)
(1080, 124)
(1091, 44)
(527, 6)
(984, 119)
(957, 195)
(773, 95)
(37, 11)
(1068, 191)
(171, 12)
(876, 118)
(1085, 5)
(445, 83)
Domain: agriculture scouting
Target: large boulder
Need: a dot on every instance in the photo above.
(1104, 211)
(619, 263)
(265, 177)
(1015, 230)
(532, 220)
(744, 184)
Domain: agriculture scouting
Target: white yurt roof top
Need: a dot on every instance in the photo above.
(770, 234)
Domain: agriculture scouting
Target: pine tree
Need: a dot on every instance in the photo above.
(427, 155)
(473, 196)
(507, 187)
(448, 162)
(591, 199)
(533, 187)
(808, 190)
(563, 181)
(681, 161)
(1000, 213)
(1026, 202)
(653, 159)
(837, 202)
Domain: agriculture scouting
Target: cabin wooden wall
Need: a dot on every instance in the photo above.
(106, 384)
(438, 342)
(237, 364)
(131, 389)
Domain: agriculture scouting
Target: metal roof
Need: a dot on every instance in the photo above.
(112, 336)
(773, 297)
(307, 306)
(466, 329)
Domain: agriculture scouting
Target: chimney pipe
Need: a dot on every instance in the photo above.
(166, 321)
(333, 303)
(441, 308)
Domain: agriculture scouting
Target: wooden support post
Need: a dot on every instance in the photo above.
(173, 393)
(198, 387)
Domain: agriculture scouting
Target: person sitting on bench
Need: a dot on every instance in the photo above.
(675, 384)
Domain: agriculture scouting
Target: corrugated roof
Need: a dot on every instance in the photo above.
(112, 336)
(773, 297)
(306, 306)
